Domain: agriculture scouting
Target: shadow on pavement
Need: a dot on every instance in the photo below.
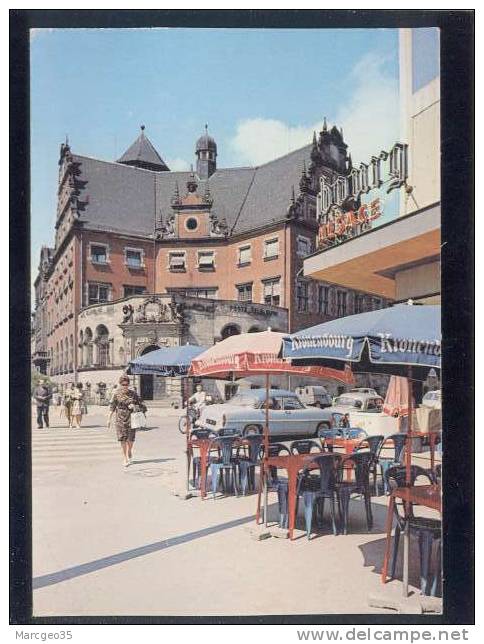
(152, 460)
(113, 560)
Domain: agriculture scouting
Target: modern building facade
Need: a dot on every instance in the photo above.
(400, 260)
(233, 237)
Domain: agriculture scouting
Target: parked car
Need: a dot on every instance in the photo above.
(433, 399)
(363, 390)
(314, 395)
(352, 401)
(246, 412)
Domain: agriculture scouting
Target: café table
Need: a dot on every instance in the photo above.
(293, 464)
(428, 496)
(204, 445)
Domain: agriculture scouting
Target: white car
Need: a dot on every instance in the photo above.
(354, 400)
(246, 412)
(363, 390)
(433, 399)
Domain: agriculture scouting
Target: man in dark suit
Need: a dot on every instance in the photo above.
(42, 397)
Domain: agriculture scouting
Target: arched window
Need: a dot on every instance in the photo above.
(102, 343)
(81, 348)
(121, 356)
(228, 330)
(71, 353)
(88, 354)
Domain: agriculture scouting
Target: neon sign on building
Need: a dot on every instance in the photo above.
(337, 210)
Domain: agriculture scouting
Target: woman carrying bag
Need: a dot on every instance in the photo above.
(129, 410)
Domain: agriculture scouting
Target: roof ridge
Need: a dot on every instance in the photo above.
(283, 156)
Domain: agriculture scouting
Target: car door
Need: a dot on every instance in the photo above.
(296, 420)
(276, 415)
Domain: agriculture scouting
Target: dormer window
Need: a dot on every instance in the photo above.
(99, 253)
(271, 248)
(134, 257)
(206, 260)
(177, 261)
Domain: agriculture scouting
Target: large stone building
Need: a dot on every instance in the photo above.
(236, 237)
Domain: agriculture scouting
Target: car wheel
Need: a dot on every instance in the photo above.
(252, 430)
(317, 404)
(320, 427)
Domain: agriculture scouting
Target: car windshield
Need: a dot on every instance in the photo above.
(244, 400)
(347, 401)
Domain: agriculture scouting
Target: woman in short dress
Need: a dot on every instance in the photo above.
(123, 403)
(77, 398)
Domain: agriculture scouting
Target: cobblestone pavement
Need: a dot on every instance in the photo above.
(109, 540)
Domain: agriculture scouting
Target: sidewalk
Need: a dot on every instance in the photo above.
(115, 541)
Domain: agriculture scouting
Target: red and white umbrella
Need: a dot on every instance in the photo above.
(396, 399)
(250, 354)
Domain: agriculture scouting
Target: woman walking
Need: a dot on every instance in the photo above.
(77, 405)
(67, 401)
(124, 402)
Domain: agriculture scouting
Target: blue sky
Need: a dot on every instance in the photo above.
(262, 92)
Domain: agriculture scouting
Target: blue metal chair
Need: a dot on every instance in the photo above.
(304, 447)
(248, 462)
(315, 489)
(225, 466)
(361, 463)
(399, 441)
(373, 445)
(277, 484)
(196, 461)
(427, 529)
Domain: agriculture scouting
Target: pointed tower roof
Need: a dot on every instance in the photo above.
(142, 154)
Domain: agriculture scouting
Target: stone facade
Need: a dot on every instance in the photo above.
(229, 242)
(112, 334)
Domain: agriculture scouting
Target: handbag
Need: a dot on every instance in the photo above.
(138, 420)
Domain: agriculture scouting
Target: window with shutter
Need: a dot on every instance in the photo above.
(177, 261)
(133, 257)
(245, 255)
(206, 260)
(271, 248)
(272, 291)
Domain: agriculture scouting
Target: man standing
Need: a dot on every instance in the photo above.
(42, 397)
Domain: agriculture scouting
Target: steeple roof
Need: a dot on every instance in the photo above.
(142, 154)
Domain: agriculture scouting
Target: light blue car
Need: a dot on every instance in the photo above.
(246, 412)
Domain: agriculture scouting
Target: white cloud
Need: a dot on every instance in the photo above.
(369, 120)
(177, 164)
(260, 140)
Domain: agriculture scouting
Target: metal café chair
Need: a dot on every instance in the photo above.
(316, 488)
(360, 463)
(225, 466)
(248, 462)
(428, 530)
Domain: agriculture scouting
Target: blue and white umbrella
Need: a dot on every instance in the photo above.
(401, 340)
(387, 340)
(171, 362)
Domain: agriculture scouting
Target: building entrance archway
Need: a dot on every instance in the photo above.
(146, 381)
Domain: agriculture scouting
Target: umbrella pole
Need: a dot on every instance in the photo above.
(185, 382)
(266, 451)
(408, 471)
